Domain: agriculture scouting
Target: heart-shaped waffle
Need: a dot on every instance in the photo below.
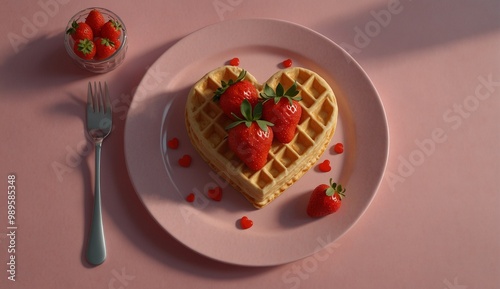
(286, 163)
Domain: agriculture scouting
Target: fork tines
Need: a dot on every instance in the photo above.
(97, 100)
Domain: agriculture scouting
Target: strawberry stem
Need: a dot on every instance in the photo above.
(116, 24)
(334, 188)
(290, 93)
(85, 46)
(226, 85)
(250, 116)
(73, 27)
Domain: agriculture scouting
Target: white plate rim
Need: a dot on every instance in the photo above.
(140, 101)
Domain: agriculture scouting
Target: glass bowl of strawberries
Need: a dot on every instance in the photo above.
(96, 39)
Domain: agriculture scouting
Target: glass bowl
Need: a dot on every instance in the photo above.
(97, 66)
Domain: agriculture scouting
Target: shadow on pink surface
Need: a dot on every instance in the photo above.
(42, 63)
(406, 25)
(121, 203)
(129, 214)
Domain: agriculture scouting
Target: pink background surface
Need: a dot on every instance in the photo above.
(433, 224)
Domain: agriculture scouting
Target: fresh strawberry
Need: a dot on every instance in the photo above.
(111, 30)
(283, 109)
(80, 30)
(95, 20)
(104, 48)
(231, 94)
(85, 49)
(250, 138)
(325, 200)
(117, 43)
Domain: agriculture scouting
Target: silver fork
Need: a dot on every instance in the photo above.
(99, 124)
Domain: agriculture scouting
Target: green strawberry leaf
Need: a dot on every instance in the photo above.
(73, 27)
(246, 110)
(116, 24)
(335, 188)
(263, 124)
(85, 46)
(268, 92)
(226, 85)
(280, 91)
(242, 75)
(235, 123)
(291, 93)
(257, 110)
(250, 116)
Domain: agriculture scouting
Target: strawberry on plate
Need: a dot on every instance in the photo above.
(282, 108)
(104, 48)
(95, 20)
(85, 49)
(232, 93)
(80, 30)
(111, 30)
(250, 137)
(325, 199)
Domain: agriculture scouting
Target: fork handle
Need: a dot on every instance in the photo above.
(96, 250)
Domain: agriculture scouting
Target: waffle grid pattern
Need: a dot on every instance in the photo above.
(318, 113)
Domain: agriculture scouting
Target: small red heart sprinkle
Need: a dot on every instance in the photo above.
(246, 223)
(215, 194)
(338, 148)
(287, 63)
(173, 143)
(190, 198)
(325, 166)
(185, 161)
(235, 61)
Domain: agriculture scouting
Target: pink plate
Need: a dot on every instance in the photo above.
(282, 231)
